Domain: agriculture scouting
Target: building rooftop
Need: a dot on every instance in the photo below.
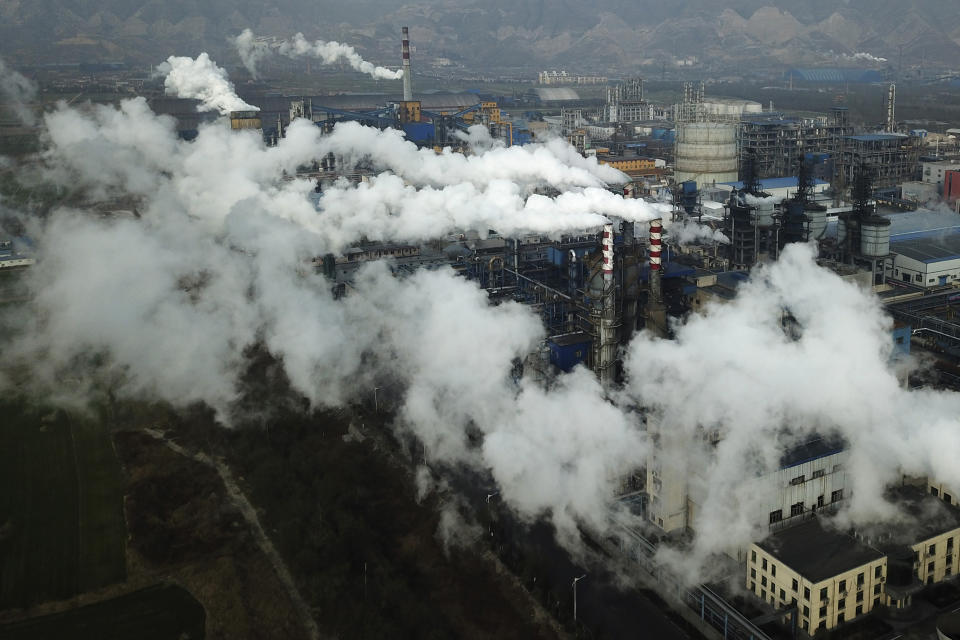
(788, 182)
(817, 553)
(928, 248)
(929, 515)
(877, 137)
(812, 449)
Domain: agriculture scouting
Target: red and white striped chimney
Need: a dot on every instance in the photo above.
(407, 79)
(606, 245)
(656, 233)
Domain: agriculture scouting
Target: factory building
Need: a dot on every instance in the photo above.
(891, 158)
(825, 577)
(774, 143)
(828, 577)
(926, 260)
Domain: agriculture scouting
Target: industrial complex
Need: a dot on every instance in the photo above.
(733, 183)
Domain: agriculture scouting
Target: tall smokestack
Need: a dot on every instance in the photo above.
(407, 77)
(606, 247)
(656, 233)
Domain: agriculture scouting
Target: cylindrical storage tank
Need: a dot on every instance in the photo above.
(818, 222)
(765, 211)
(706, 152)
(875, 237)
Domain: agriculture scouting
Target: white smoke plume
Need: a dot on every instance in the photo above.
(251, 49)
(200, 78)
(859, 56)
(763, 390)
(166, 305)
(328, 52)
(18, 92)
(688, 232)
(553, 163)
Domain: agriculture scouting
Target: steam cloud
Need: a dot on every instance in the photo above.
(200, 78)
(165, 306)
(18, 93)
(252, 51)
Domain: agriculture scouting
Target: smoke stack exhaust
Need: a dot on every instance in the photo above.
(407, 78)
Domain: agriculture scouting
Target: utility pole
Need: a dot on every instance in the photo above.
(575, 581)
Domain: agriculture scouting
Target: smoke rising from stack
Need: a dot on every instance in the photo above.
(166, 305)
(252, 51)
(18, 92)
(201, 79)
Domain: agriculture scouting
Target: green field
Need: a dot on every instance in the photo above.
(62, 530)
(161, 612)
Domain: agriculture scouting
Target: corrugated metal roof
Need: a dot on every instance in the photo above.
(876, 137)
(929, 249)
(789, 182)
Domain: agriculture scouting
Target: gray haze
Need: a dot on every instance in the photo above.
(621, 33)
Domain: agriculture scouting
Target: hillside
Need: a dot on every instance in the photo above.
(498, 33)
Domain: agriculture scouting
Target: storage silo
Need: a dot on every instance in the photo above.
(875, 237)
(706, 152)
(818, 222)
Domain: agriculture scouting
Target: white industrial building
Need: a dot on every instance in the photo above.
(811, 478)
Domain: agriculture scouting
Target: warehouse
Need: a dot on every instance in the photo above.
(928, 259)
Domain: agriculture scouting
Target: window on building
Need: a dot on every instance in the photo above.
(934, 491)
(753, 557)
(932, 550)
(947, 498)
(773, 598)
(949, 544)
(842, 586)
(818, 473)
(859, 596)
(796, 509)
(806, 611)
(773, 570)
(823, 593)
(806, 593)
(763, 580)
(764, 564)
(776, 516)
(819, 501)
(876, 589)
(918, 278)
(753, 573)
(763, 594)
(841, 604)
(793, 602)
(905, 276)
(783, 595)
(860, 610)
(949, 559)
(805, 625)
(795, 586)
(836, 495)
(876, 602)
(878, 571)
(823, 612)
(837, 467)
(930, 567)
(839, 618)
(753, 587)
(798, 480)
(860, 577)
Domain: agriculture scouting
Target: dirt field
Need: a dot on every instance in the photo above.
(62, 531)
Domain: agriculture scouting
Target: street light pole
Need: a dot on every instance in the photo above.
(376, 404)
(575, 581)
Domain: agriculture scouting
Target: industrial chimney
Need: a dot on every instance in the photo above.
(407, 76)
